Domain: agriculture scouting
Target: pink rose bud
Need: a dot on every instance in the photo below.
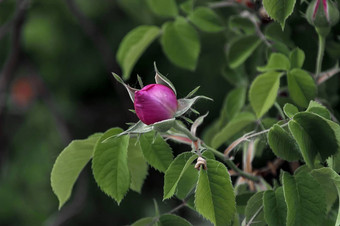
(322, 13)
(154, 103)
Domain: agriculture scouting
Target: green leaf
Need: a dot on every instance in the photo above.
(175, 171)
(297, 58)
(206, 20)
(187, 182)
(133, 45)
(187, 6)
(274, 32)
(283, 144)
(305, 199)
(314, 135)
(69, 164)
(234, 102)
(145, 221)
(279, 10)
(214, 197)
(164, 8)
(318, 109)
(156, 151)
(329, 180)
(208, 155)
(301, 87)
(255, 208)
(138, 167)
(237, 124)
(109, 165)
(263, 92)
(275, 208)
(241, 25)
(277, 61)
(240, 49)
(242, 199)
(172, 220)
(181, 44)
(290, 110)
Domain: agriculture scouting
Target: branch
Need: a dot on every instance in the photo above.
(327, 75)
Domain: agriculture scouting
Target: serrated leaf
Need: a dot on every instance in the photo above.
(181, 44)
(255, 208)
(301, 87)
(175, 171)
(234, 102)
(290, 110)
(297, 58)
(69, 164)
(145, 221)
(109, 165)
(156, 151)
(329, 180)
(277, 61)
(214, 197)
(318, 109)
(138, 167)
(164, 8)
(279, 10)
(172, 220)
(275, 208)
(241, 25)
(283, 144)
(263, 92)
(314, 135)
(240, 49)
(133, 45)
(187, 182)
(305, 199)
(206, 19)
(237, 124)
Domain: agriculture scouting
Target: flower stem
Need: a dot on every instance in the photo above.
(232, 165)
(321, 51)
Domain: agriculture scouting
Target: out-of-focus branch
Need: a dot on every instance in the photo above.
(93, 33)
(327, 75)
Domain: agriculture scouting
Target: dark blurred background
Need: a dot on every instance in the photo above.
(56, 59)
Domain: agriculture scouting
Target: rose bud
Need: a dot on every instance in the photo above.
(154, 103)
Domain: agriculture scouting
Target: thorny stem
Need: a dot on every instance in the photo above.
(321, 51)
(232, 165)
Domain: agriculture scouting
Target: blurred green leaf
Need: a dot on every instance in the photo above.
(214, 197)
(181, 44)
(206, 19)
(241, 25)
(278, 10)
(234, 103)
(263, 92)
(69, 164)
(171, 220)
(275, 208)
(145, 221)
(109, 165)
(164, 8)
(297, 58)
(133, 46)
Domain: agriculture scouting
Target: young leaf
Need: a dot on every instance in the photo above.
(275, 208)
(277, 61)
(109, 165)
(297, 58)
(290, 110)
(172, 220)
(254, 208)
(237, 124)
(279, 10)
(175, 171)
(138, 167)
(330, 183)
(318, 109)
(156, 151)
(164, 8)
(214, 197)
(234, 102)
(241, 48)
(301, 87)
(305, 199)
(283, 144)
(180, 43)
(263, 92)
(241, 25)
(133, 45)
(206, 19)
(69, 164)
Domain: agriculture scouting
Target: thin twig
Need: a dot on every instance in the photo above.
(327, 75)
